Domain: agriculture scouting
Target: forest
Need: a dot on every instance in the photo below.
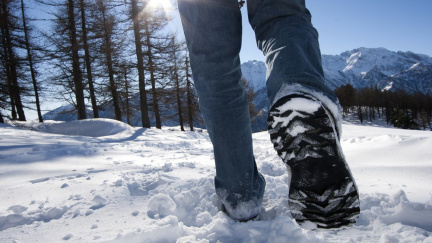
(94, 53)
(399, 108)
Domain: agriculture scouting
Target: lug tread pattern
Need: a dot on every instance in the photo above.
(322, 189)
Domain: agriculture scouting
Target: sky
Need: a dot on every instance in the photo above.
(397, 25)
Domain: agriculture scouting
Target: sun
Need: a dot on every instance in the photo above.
(164, 5)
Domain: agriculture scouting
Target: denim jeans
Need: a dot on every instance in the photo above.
(285, 35)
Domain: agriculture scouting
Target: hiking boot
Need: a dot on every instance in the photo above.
(253, 218)
(322, 188)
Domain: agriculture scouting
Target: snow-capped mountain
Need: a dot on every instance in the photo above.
(255, 73)
(366, 67)
(362, 67)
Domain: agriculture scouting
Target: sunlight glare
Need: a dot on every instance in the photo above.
(164, 5)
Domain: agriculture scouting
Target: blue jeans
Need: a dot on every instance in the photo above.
(285, 35)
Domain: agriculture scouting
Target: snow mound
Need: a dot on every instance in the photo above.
(160, 206)
(401, 210)
(99, 127)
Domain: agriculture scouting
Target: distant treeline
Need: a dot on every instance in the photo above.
(403, 110)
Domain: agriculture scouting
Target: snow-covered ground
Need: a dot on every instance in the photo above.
(104, 181)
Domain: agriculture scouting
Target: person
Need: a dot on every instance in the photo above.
(304, 118)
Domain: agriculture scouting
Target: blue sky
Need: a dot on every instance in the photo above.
(397, 25)
(348, 24)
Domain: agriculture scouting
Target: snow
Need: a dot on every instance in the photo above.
(103, 181)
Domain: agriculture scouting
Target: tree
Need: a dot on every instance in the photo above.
(62, 54)
(250, 95)
(3, 94)
(156, 45)
(88, 60)
(134, 12)
(30, 60)
(129, 106)
(193, 110)
(76, 70)
(346, 96)
(189, 95)
(105, 29)
(175, 50)
(9, 25)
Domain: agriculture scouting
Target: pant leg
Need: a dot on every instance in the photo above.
(284, 33)
(213, 35)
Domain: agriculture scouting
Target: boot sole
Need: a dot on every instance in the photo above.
(322, 189)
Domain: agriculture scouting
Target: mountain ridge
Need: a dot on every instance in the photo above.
(364, 67)
(361, 67)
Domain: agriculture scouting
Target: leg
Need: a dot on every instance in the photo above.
(213, 36)
(290, 44)
(304, 120)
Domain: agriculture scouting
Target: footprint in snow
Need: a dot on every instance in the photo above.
(68, 237)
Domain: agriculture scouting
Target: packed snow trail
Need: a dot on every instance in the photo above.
(104, 181)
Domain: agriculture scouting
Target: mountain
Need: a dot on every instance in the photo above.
(167, 111)
(362, 67)
(366, 67)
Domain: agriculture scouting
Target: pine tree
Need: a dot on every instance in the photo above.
(9, 26)
(137, 27)
(193, 110)
(88, 62)
(250, 95)
(155, 43)
(346, 96)
(76, 69)
(62, 54)
(107, 21)
(126, 96)
(189, 95)
(30, 61)
(176, 49)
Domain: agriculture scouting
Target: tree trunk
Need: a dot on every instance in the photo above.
(177, 83)
(189, 96)
(11, 64)
(77, 75)
(7, 68)
(30, 59)
(140, 66)
(108, 50)
(152, 77)
(127, 95)
(88, 62)
(360, 113)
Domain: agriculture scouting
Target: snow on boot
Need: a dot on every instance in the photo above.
(322, 188)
